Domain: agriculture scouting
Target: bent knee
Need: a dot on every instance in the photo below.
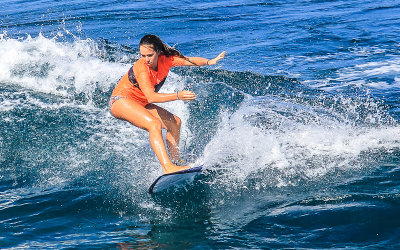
(178, 121)
(115, 111)
(154, 125)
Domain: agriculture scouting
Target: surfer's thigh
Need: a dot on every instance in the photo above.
(168, 120)
(133, 112)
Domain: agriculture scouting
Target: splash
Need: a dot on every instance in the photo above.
(54, 67)
(273, 142)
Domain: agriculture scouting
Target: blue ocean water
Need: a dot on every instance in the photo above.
(297, 128)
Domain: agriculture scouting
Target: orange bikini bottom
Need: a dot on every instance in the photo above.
(115, 98)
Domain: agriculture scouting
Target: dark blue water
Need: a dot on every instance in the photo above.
(297, 128)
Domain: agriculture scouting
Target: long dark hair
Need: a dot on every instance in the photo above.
(159, 46)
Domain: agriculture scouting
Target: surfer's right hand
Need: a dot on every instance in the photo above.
(186, 95)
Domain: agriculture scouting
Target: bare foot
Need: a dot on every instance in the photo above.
(171, 168)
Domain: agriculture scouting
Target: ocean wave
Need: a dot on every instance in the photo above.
(251, 131)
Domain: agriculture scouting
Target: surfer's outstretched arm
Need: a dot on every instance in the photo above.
(200, 61)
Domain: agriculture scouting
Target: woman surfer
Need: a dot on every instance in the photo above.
(134, 96)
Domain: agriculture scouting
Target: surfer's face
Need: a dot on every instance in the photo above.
(149, 55)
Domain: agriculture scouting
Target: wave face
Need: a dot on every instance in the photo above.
(300, 145)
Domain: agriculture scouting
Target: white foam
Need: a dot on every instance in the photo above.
(261, 138)
(373, 67)
(380, 72)
(61, 68)
(390, 67)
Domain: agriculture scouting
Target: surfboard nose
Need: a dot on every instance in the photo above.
(175, 179)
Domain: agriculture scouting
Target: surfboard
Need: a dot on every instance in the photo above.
(175, 179)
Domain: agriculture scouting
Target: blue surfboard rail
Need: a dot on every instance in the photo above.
(179, 173)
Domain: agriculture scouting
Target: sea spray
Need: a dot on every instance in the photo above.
(60, 68)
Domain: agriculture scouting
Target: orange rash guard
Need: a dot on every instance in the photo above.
(141, 76)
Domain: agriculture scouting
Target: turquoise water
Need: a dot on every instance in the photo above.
(297, 128)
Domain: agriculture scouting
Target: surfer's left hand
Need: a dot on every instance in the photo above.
(215, 60)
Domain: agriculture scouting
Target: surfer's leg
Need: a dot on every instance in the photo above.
(131, 111)
(172, 124)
